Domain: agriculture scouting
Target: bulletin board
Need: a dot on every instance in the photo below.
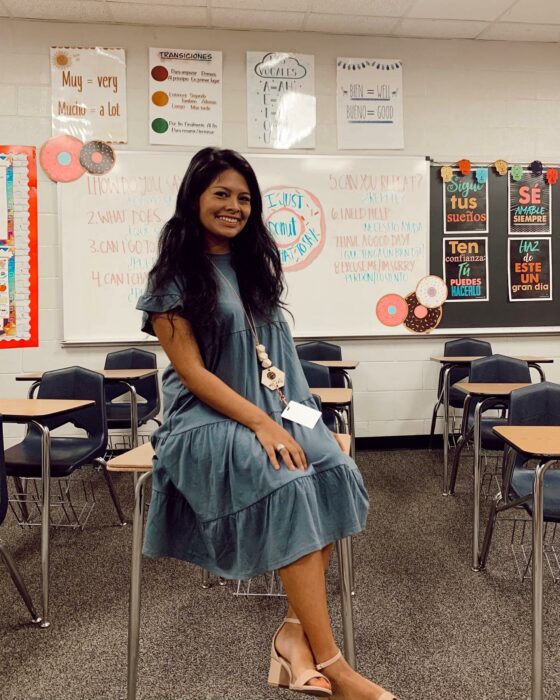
(498, 314)
(349, 230)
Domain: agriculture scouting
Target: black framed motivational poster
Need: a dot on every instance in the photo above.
(529, 269)
(465, 265)
(529, 205)
(465, 204)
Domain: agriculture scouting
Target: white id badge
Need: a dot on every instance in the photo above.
(303, 415)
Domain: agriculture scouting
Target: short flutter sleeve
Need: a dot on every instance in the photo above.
(160, 301)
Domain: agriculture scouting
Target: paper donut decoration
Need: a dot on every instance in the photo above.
(446, 173)
(501, 167)
(431, 291)
(552, 176)
(97, 157)
(516, 172)
(391, 309)
(464, 166)
(421, 319)
(60, 158)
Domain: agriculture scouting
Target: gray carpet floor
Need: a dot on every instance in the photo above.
(427, 627)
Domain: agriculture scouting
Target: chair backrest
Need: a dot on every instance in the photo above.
(3, 484)
(499, 368)
(458, 348)
(321, 350)
(316, 375)
(538, 404)
(77, 383)
(318, 350)
(133, 358)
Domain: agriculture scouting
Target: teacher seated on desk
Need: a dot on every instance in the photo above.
(237, 489)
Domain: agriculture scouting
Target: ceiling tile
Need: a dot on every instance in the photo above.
(471, 10)
(350, 24)
(159, 15)
(283, 5)
(372, 8)
(534, 12)
(64, 10)
(225, 18)
(513, 31)
(438, 29)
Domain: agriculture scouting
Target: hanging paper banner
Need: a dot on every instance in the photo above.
(369, 103)
(529, 204)
(529, 266)
(465, 204)
(185, 97)
(89, 93)
(280, 100)
(18, 247)
(465, 263)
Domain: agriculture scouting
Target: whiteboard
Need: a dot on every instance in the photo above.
(349, 229)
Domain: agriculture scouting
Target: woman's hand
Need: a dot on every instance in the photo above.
(270, 435)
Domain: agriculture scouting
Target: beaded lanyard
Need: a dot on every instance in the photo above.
(272, 377)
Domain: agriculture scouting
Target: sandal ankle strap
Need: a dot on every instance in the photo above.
(329, 662)
(293, 620)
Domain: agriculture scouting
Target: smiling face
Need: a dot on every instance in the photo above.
(224, 209)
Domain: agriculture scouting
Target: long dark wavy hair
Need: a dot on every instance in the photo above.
(183, 256)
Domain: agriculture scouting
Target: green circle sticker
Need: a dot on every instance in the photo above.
(160, 125)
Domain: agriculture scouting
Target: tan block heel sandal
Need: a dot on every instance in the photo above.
(280, 674)
(384, 696)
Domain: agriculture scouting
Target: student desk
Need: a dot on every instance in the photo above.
(112, 376)
(480, 393)
(32, 412)
(450, 363)
(542, 443)
(139, 461)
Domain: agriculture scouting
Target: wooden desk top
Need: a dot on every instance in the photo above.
(111, 375)
(333, 396)
(541, 441)
(139, 459)
(29, 409)
(467, 359)
(337, 364)
(489, 388)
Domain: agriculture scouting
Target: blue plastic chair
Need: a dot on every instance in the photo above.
(321, 350)
(319, 377)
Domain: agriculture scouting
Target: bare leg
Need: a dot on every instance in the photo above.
(304, 583)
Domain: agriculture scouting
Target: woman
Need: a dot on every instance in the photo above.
(237, 489)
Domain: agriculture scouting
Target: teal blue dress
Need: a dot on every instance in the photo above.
(216, 499)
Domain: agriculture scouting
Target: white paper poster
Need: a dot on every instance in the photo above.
(369, 103)
(89, 93)
(280, 100)
(185, 97)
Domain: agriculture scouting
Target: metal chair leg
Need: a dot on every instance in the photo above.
(19, 583)
(205, 579)
(461, 442)
(344, 555)
(433, 426)
(103, 464)
(489, 531)
(135, 587)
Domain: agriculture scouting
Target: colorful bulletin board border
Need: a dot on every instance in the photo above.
(18, 249)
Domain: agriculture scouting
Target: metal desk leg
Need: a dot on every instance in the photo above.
(535, 365)
(538, 508)
(446, 374)
(135, 581)
(45, 515)
(133, 413)
(476, 489)
(344, 564)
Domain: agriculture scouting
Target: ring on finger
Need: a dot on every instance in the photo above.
(279, 447)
